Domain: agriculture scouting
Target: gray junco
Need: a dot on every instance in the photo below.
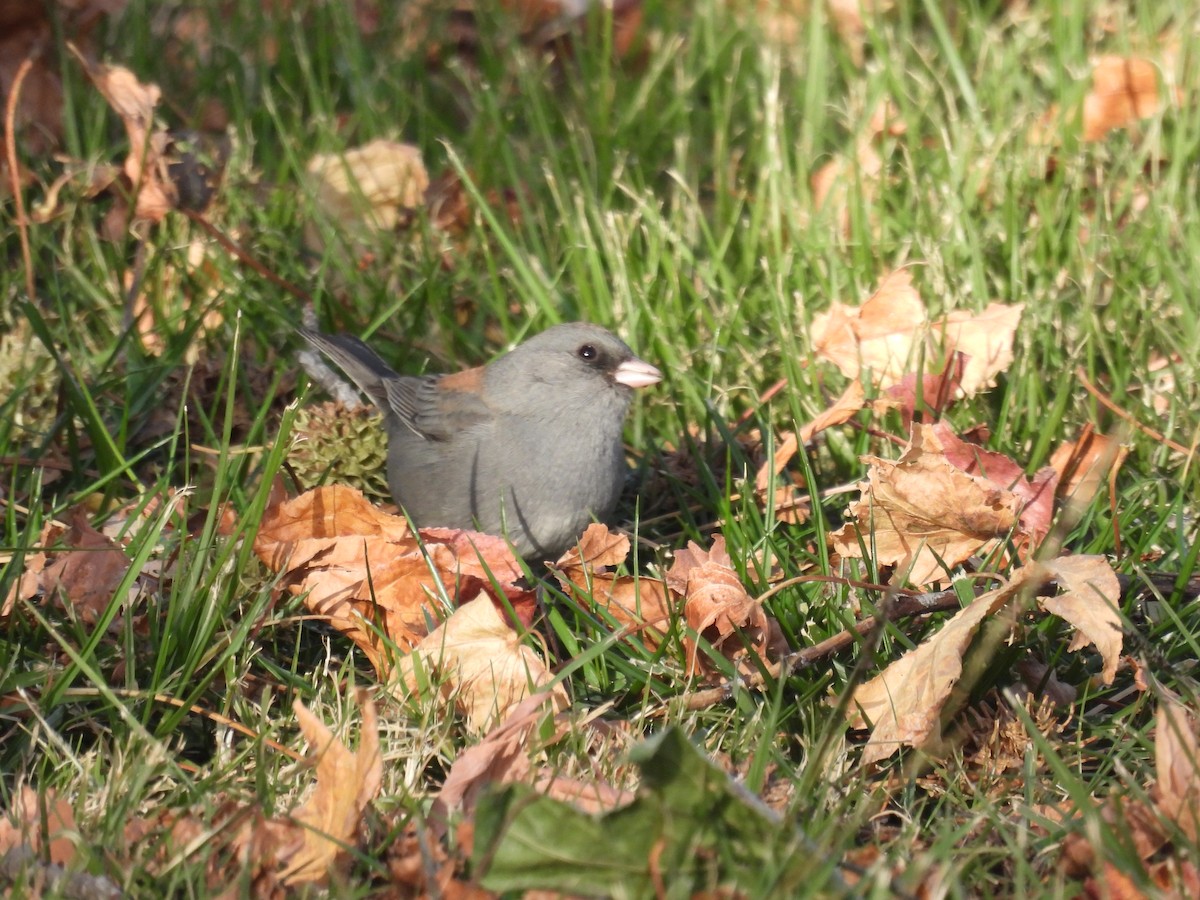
(528, 446)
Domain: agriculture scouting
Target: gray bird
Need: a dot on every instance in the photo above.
(528, 446)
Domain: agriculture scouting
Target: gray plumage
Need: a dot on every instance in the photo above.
(528, 446)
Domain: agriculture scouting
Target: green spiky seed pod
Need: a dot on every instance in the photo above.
(339, 445)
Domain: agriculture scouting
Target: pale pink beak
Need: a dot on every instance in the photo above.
(635, 373)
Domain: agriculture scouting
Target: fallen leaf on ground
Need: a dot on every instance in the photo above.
(367, 572)
(1091, 602)
(903, 704)
(346, 783)
(891, 329)
(642, 605)
(477, 660)
(1084, 465)
(146, 166)
(985, 338)
(718, 608)
(367, 189)
(23, 827)
(876, 337)
(1177, 759)
(841, 410)
(1124, 90)
(935, 392)
(85, 576)
(924, 514)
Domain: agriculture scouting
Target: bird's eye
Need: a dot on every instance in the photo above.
(587, 352)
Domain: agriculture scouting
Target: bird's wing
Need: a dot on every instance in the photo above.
(361, 364)
(438, 407)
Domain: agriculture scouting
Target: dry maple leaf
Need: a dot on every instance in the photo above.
(986, 339)
(1124, 90)
(904, 703)
(1084, 464)
(369, 574)
(367, 189)
(717, 607)
(642, 605)
(346, 782)
(925, 514)
(24, 826)
(1091, 602)
(1177, 760)
(477, 660)
(840, 411)
(891, 328)
(877, 336)
(146, 166)
(934, 391)
(84, 576)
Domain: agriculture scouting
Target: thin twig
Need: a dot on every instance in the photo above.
(10, 149)
(1128, 417)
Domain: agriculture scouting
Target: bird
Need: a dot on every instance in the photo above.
(527, 447)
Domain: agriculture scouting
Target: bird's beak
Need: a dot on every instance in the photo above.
(635, 373)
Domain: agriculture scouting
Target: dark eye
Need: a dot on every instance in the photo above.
(587, 352)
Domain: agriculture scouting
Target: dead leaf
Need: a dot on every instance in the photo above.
(878, 336)
(1084, 465)
(986, 339)
(477, 660)
(23, 826)
(903, 704)
(936, 393)
(502, 756)
(346, 783)
(1037, 496)
(841, 410)
(924, 514)
(1177, 760)
(145, 167)
(367, 189)
(1124, 90)
(642, 605)
(29, 584)
(368, 573)
(717, 607)
(1091, 602)
(84, 578)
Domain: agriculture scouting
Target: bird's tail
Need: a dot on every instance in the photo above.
(361, 364)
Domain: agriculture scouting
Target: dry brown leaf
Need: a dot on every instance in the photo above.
(346, 782)
(1036, 496)
(841, 410)
(878, 336)
(366, 571)
(717, 607)
(1124, 90)
(477, 660)
(1084, 465)
(936, 391)
(23, 826)
(891, 329)
(85, 577)
(986, 339)
(1177, 761)
(642, 605)
(145, 167)
(29, 584)
(925, 514)
(903, 704)
(1091, 602)
(367, 189)
(502, 756)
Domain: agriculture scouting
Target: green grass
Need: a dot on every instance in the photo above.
(666, 195)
